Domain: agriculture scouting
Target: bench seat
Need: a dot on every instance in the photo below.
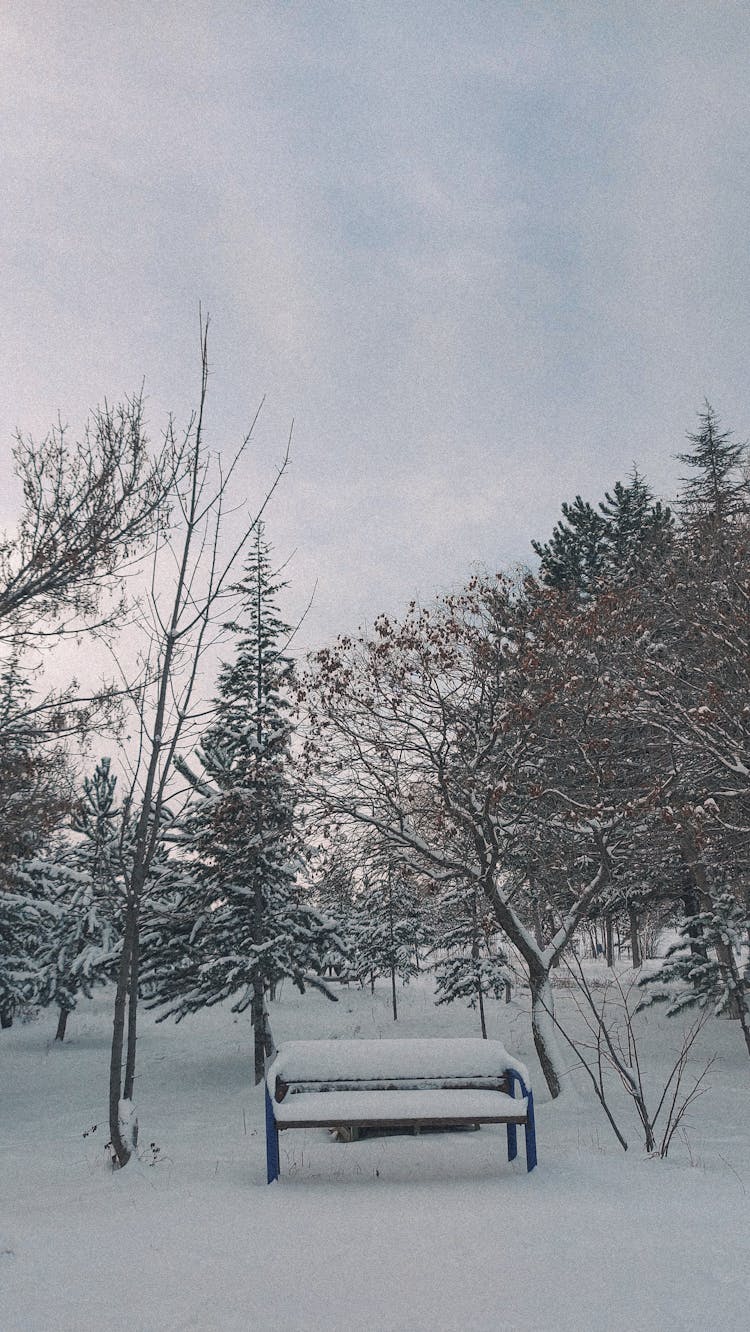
(361, 1109)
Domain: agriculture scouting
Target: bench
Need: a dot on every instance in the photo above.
(418, 1084)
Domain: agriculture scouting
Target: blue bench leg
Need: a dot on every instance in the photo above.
(530, 1130)
(530, 1134)
(273, 1167)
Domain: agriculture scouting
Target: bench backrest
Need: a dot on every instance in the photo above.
(403, 1065)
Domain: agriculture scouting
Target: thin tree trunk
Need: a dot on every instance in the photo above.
(119, 1147)
(609, 945)
(129, 1083)
(542, 1025)
(475, 960)
(480, 998)
(6, 1015)
(635, 943)
(391, 940)
(62, 1022)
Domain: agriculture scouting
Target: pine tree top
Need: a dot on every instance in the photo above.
(716, 491)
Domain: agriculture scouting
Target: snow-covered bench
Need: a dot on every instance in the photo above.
(433, 1083)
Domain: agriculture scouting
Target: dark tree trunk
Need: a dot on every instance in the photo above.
(62, 1022)
(480, 1000)
(609, 939)
(635, 943)
(392, 943)
(119, 1147)
(132, 1007)
(475, 960)
(259, 1044)
(691, 907)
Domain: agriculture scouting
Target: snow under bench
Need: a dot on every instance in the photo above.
(419, 1084)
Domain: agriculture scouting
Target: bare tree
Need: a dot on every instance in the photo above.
(610, 1045)
(467, 736)
(190, 585)
(88, 507)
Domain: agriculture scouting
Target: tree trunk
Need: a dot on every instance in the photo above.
(132, 1009)
(542, 1025)
(609, 939)
(691, 907)
(392, 943)
(6, 1014)
(475, 960)
(480, 999)
(119, 1147)
(62, 1023)
(259, 1036)
(635, 943)
(538, 932)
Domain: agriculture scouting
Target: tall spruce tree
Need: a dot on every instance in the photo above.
(637, 527)
(241, 921)
(716, 491)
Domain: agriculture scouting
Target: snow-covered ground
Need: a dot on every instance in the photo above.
(425, 1233)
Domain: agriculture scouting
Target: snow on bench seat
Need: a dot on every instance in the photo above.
(358, 1109)
(378, 1084)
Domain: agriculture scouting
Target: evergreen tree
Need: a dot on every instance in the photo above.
(389, 928)
(589, 545)
(240, 916)
(713, 973)
(716, 491)
(82, 945)
(335, 893)
(34, 799)
(637, 526)
(574, 558)
(467, 968)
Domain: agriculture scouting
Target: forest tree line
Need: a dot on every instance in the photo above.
(482, 786)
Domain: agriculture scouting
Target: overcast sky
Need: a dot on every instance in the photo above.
(485, 254)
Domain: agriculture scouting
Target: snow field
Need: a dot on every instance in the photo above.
(417, 1234)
